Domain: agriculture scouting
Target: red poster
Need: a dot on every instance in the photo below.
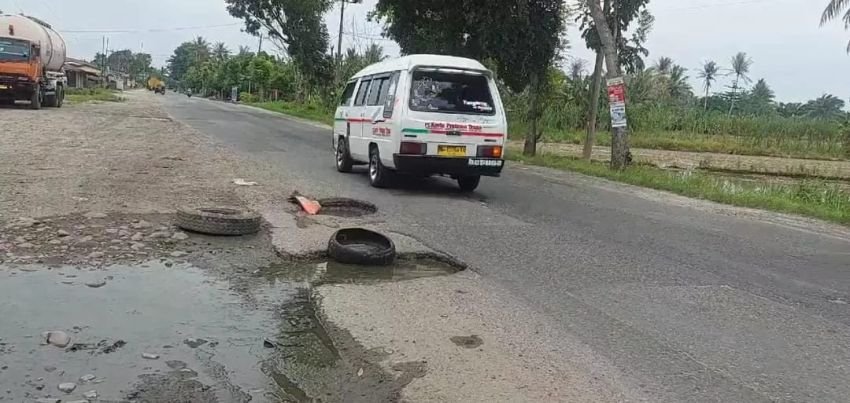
(616, 92)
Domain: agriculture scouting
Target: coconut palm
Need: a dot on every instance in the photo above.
(825, 107)
(678, 81)
(220, 51)
(664, 65)
(577, 69)
(832, 11)
(741, 64)
(708, 75)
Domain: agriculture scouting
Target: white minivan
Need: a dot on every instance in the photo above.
(422, 115)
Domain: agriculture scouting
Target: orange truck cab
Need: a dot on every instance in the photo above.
(32, 55)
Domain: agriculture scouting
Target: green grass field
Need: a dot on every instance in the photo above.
(807, 197)
(76, 96)
(305, 111)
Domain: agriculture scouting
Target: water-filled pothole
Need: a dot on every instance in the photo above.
(345, 207)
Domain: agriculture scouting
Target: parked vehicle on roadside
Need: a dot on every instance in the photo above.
(32, 56)
(422, 115)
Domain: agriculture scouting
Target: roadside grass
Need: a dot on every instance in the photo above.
(809, 147)
(305, 111)
(80, 95)
(811, 198)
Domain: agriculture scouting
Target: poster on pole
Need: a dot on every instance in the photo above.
(617, 101)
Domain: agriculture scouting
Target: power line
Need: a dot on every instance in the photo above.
(147, 30)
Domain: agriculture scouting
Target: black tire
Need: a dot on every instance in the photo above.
(468, 183)
(218, 221)
(361, 246)
(35, 100)
(379, 175)
(50, 101)
(343, 156)
(60, 96)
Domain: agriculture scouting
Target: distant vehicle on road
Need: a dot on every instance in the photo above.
(424, 115)
(32, 56)
(156, 85)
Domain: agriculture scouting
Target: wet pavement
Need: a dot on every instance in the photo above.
(164, 331)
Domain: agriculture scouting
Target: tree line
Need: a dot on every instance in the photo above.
(524, 43)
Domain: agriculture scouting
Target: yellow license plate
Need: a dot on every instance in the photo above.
(451, 151)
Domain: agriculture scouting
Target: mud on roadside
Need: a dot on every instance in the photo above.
(301, 357)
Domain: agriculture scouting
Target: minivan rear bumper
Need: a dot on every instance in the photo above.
(430, 165)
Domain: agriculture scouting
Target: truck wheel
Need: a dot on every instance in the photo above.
(50, 100)
(35, 101)
(379, 175)
(60, 96)
(468, 183)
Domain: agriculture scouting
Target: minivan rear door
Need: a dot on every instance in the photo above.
(454, 111)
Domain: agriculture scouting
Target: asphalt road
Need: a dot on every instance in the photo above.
(693, 302)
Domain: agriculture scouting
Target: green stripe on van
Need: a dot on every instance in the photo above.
(415, 131)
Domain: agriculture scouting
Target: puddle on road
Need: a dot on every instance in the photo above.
(211, 335)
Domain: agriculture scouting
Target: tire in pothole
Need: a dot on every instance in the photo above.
(218, 220)
(361, 246)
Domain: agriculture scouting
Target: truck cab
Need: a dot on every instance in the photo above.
(25, 74)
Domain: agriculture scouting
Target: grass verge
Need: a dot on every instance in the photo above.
(810, 198)
(723, 144)
(76, 96)
(300, 110)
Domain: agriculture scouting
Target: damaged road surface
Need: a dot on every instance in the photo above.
(168, 331)
(576, 289)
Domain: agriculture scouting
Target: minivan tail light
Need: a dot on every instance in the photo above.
(490, 151)
(409, 147)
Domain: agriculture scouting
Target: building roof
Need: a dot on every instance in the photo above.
(411, 61)
(81, 65)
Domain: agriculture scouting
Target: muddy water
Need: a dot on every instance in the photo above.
(252, 337)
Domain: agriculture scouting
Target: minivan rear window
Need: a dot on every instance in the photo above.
(450, 92)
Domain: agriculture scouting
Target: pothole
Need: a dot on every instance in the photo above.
(345, 207)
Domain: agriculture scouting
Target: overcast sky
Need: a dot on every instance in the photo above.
(798, 59)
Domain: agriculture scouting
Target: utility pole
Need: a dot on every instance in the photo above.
(260, 46)
(341, 23)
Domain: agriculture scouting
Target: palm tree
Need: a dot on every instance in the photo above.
(577, 69)
(741, 64)
(678, 81)
(664, 65)
(832, 11)
(708, 75)
(220, 51)
(825, 107)
(374, 54)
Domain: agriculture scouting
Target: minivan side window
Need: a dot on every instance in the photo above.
(347, 94)
(388, 95)
(375, 92)
(361, 92)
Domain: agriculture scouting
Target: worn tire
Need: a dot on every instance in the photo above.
(361, 246)
(343, 155)
(468, 183)
(219, 221)
(35, 100)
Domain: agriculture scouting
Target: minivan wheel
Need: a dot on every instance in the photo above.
(379, 175)
(468, 183)
(343, 156)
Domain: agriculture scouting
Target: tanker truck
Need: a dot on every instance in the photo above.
(32, 54)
